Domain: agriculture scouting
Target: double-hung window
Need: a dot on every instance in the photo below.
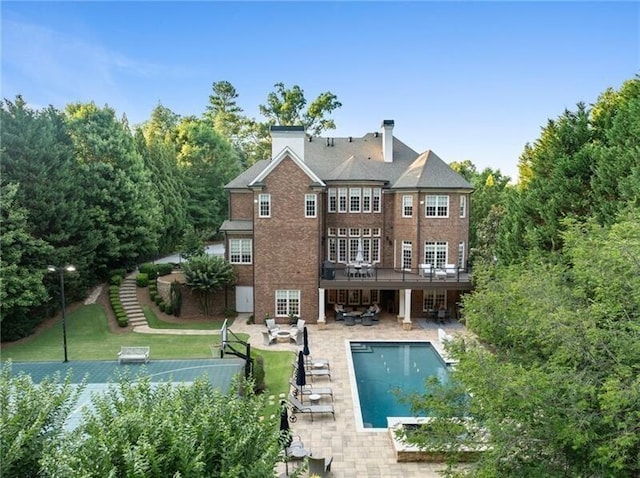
(240, 251)
(354, 199)
(463, 206)
(333, 199)
(366, 199)
(310, 209)
(264, 205)
(437, 206)
(377, 199)
(287, 303)
(407, 206)
(342, 200)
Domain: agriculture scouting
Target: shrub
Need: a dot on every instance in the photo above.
(142, 279)
(229, 313)
(114, 288)
(251, 320)
(148, 268)
(116, 280)
(168, 309)
(158, 300)
(123, 322)
(259, 375)
(164, 269)
(175, 295)
(162, 305)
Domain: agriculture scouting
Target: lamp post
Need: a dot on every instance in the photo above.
(61, 271)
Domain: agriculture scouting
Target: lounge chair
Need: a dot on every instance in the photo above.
(309, 390)
(267, 338)
(319, 466)
(316, 363)
(298, 407)
(312, 372)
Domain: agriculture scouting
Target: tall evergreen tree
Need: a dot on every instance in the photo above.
(207, 162)
(121, 204)
(156, 144)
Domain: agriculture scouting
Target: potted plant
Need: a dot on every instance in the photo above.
(293, 319)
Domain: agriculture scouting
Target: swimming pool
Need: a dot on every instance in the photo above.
(377, 368)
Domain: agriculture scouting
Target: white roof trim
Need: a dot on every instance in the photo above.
(278, 159)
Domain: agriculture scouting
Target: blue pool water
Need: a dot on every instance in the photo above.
(381, 367)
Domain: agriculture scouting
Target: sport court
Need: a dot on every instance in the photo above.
(100, 374)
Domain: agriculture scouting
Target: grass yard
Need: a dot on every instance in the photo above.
(156, 323)
(89, 338)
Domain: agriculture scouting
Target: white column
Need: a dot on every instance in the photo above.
(407, 305)
(401, 306)
(406, 323)
(322, 318)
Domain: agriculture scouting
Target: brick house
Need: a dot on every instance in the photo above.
(349, 221)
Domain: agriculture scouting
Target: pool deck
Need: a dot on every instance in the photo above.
(355, 454)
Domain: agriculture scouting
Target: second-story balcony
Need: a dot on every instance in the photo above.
(366, 276)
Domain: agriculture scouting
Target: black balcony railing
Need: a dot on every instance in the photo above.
(365, 273)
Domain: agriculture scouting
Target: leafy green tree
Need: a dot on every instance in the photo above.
(37, 156)
(206, 275)
(161, 430)
(207, 162)
(553, 376)
(32, 419)
(193, 244)
(21, 286)
(285, 107)
(156, 143)
(223, 111)
(121, 203)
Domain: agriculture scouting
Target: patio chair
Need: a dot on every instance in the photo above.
(298, 325)
(367, 319)
(267, 338)
(298, 407)
(319, 466)
(451, 270)
(272, 327)
(297, 336)
(425, 270)
(349, 320)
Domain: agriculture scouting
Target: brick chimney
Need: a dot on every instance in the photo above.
(291, 136)
(387, 141)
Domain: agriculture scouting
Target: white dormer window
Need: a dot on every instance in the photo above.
(407, 206)
(264, 205)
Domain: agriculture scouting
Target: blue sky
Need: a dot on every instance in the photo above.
(469, 80)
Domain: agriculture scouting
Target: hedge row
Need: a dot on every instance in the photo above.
(116, 305)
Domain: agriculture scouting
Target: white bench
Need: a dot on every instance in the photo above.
(133, 354)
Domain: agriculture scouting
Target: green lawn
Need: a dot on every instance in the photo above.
(156, 323)
(89, 338)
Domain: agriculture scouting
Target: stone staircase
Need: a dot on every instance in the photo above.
(129, 299)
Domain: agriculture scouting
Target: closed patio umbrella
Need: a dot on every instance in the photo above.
(305, 341)
(301, 376)
(285, 435)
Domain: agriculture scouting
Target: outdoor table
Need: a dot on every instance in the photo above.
(314, 398)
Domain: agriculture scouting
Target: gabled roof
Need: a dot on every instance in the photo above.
(286, 152)
(430, 172)
(360, 159)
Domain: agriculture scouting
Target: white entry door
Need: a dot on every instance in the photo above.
(244, 299)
